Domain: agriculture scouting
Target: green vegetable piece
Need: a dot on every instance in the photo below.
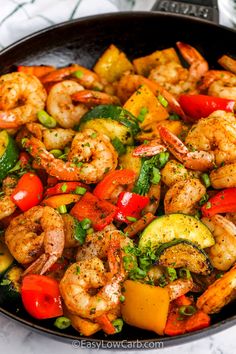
(206, 179)
(80, 190)
(184, 273)
(62, 209)
(118, 324)
(47, 120)
(171, 272)
(142, 114)
(187, 310)
(78, 74)
(80, 233)
(85, 223)
(56, 153)
(162, 101)
(131, 218)
(119, 146)
(62, 322)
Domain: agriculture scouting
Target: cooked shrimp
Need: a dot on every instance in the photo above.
(183, 196)
(21, 97)
(179, 287)
(91, 156)
(196, 160)
(219, 294)
(128, 84)
(97, 243)
(223, 253)
(219, 83)
(57, 138)
(86, 77)
(36, 236)
(215, 135)
(175, 78)
(94, 98)
(60, 104)
(224, 177)
(7, 207)
(81, 277)
(228, 63)
(173, 172)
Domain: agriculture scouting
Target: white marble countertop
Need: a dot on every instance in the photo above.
(13, 337)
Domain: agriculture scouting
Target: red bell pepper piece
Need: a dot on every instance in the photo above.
(52, 181)
(100, 212)
(201, 106)
(130, 205)
(198, 320)
(222, 202)
(41, 296)
(28, 192)
(112, 180)
(64, 187)
(175, 326)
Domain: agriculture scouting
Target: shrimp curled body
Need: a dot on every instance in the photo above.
(36, 236)
(21, 97)
(91, 156)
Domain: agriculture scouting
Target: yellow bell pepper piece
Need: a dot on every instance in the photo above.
(145, 306)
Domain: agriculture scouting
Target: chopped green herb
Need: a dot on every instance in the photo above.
(46, 120)
(90, 231)
(172, 275)
(174, 117)
(204, 199)
(142, 114)
(187, 310)
(79, 232)
(85, 223)
(162, 281)
(62, 322)
(80, 190)
(93, 135)
(162, 101)
(62, 209)
(5, 282)
(122, 298)
(219, 275)
(118, 324)
(208, 205)
(156, 175)
(77, 270)
(131, 218)
(78, 74)
(64, 187)
(206, 180)
(184, 273)
(56, 153)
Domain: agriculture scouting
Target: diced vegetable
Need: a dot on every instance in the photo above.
(65, 188)
(62, 322)
(6, 259)
(114, 121)
(112, 180)
(132, 229)
(168, 227)
(130, 206)
(41, 296)
(8, 153)
(28, 192)
(222, 202)
(10, 285)
(56, 201)
(112, 64)
(201, 106)
(144, 105)
(145, 306)
(100, 212)
(181, 253)
(46, 120)
(144, 65)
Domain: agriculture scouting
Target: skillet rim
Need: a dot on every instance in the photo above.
(63, 337)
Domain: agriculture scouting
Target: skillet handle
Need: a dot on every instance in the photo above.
(204, 9)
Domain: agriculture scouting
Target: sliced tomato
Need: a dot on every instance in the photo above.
(112, 180)
(41, 296)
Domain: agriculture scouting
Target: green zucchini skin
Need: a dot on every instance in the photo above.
(181, 253)
(6, 259)
(115, 113)
(10, 285)
(169, 227)
(9, 153)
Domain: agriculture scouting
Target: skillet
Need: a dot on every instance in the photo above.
(136, 33)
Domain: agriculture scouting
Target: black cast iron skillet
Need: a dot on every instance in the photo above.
(136, 33)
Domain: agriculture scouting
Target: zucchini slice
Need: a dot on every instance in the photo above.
(114, 121)
(8, 153)
(181, 253)
(6, 259)
(10, 285)
(169, 227)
